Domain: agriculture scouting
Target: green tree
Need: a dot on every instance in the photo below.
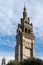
(13, 63)
(29, 61)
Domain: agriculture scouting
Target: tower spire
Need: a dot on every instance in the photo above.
(24, 7)
(24, 13)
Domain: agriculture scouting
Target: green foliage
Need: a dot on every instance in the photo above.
(32, 61)
(29, 61)
(13, 63)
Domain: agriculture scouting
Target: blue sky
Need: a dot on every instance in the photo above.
(9, 19)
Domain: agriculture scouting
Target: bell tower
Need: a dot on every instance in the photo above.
(25, 39)
(3, 61)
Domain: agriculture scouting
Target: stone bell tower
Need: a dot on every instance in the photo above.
(25, 39)
(3, 61)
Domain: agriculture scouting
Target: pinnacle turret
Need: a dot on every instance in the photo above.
(24, 13)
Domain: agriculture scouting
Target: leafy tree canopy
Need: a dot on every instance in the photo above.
(29, 61)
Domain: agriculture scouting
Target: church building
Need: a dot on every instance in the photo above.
(25, 46)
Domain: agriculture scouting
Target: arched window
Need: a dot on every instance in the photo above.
(26, 30)
(28, 22)
(29, 31)
(19, 32)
